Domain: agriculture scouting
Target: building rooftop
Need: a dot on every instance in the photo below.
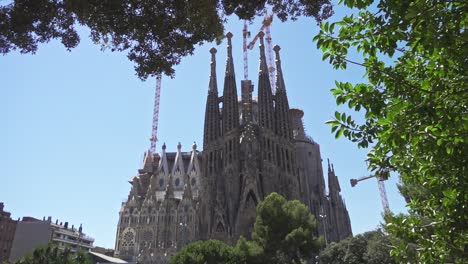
(107, 258)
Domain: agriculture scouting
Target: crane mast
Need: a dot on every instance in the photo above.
(245, 35)
(383, 194)
(380, 182)
(269, 49)
(154, 128)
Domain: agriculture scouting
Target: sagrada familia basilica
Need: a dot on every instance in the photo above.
(252, 146)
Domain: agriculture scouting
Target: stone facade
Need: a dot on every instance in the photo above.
(32, 233)
(251, 148)
(7, 233)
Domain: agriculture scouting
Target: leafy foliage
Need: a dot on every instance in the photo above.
(369, 248)
(249, 252)
(284, 229)
(283, 233)
(156, 34)
(200, 252)
(51, 254)
(415, 107)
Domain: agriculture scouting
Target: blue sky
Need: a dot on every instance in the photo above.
(75, 124)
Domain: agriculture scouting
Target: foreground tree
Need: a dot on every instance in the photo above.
(369, 248)
(284, 230)
(51, 254)
(201, 252)
(283, 233)
(156, 34)
(415, 112)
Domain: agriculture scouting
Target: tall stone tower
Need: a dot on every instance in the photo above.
(251, 147)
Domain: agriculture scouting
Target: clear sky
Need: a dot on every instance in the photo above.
(75, 125)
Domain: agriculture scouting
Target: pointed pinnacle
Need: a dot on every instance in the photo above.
(230, 63)
(213, 59)
(277, 48)
(261, 35)
(263, 65)
(279, 72)
(212, 85)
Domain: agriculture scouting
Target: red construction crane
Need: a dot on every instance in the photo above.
(266, 24)
(381, 184)
(154, 129)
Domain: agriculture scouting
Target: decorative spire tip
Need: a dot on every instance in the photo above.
(213, 50)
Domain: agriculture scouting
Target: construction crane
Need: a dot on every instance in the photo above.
(154, 128)
(266, 24)
(380, 182)
(245, 35)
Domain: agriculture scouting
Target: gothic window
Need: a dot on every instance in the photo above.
(161, 182)
(269, 150)
(128, 238)
(278, 156)
(230, 150)
(193, 182)
(282, 158)
(241, 179)
(177, 182)
(147, 235)
(261, 181)
(211, 162)
(220, 227)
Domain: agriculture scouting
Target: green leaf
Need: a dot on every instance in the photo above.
(339, 132)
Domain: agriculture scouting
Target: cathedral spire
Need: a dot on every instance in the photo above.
(283, 121)
(265, 97)
(163, 167)
(279, 71)
(213, 86)
(169, 189)
(230, 62)
(230, 104)
(178, 167)
(187, 191)
(333, 184)
(193, 166)
(212, 130)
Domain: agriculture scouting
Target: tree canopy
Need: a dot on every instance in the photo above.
(283, 233)
(200, 252)
(284, 230)
(156, 34)
(369, 248)
(414, 104)
(51, 254)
